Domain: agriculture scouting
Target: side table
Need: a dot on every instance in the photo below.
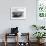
(8, 34)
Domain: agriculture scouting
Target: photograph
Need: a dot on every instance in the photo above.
(18, 13)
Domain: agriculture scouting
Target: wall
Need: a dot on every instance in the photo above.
(24, 25)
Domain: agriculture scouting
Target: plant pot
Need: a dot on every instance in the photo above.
(40, 41)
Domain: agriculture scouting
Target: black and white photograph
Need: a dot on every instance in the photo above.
(18, 13)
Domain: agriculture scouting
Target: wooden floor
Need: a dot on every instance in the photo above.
(13, 44)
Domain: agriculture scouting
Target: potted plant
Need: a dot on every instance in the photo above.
(39, 35)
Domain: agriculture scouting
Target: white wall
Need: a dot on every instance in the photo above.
(24, 25)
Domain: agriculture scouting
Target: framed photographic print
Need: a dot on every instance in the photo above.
(18, 13)
(41, 12)
(41, 9)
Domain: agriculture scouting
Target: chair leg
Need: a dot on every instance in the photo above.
(5, 43)
(5, 40)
